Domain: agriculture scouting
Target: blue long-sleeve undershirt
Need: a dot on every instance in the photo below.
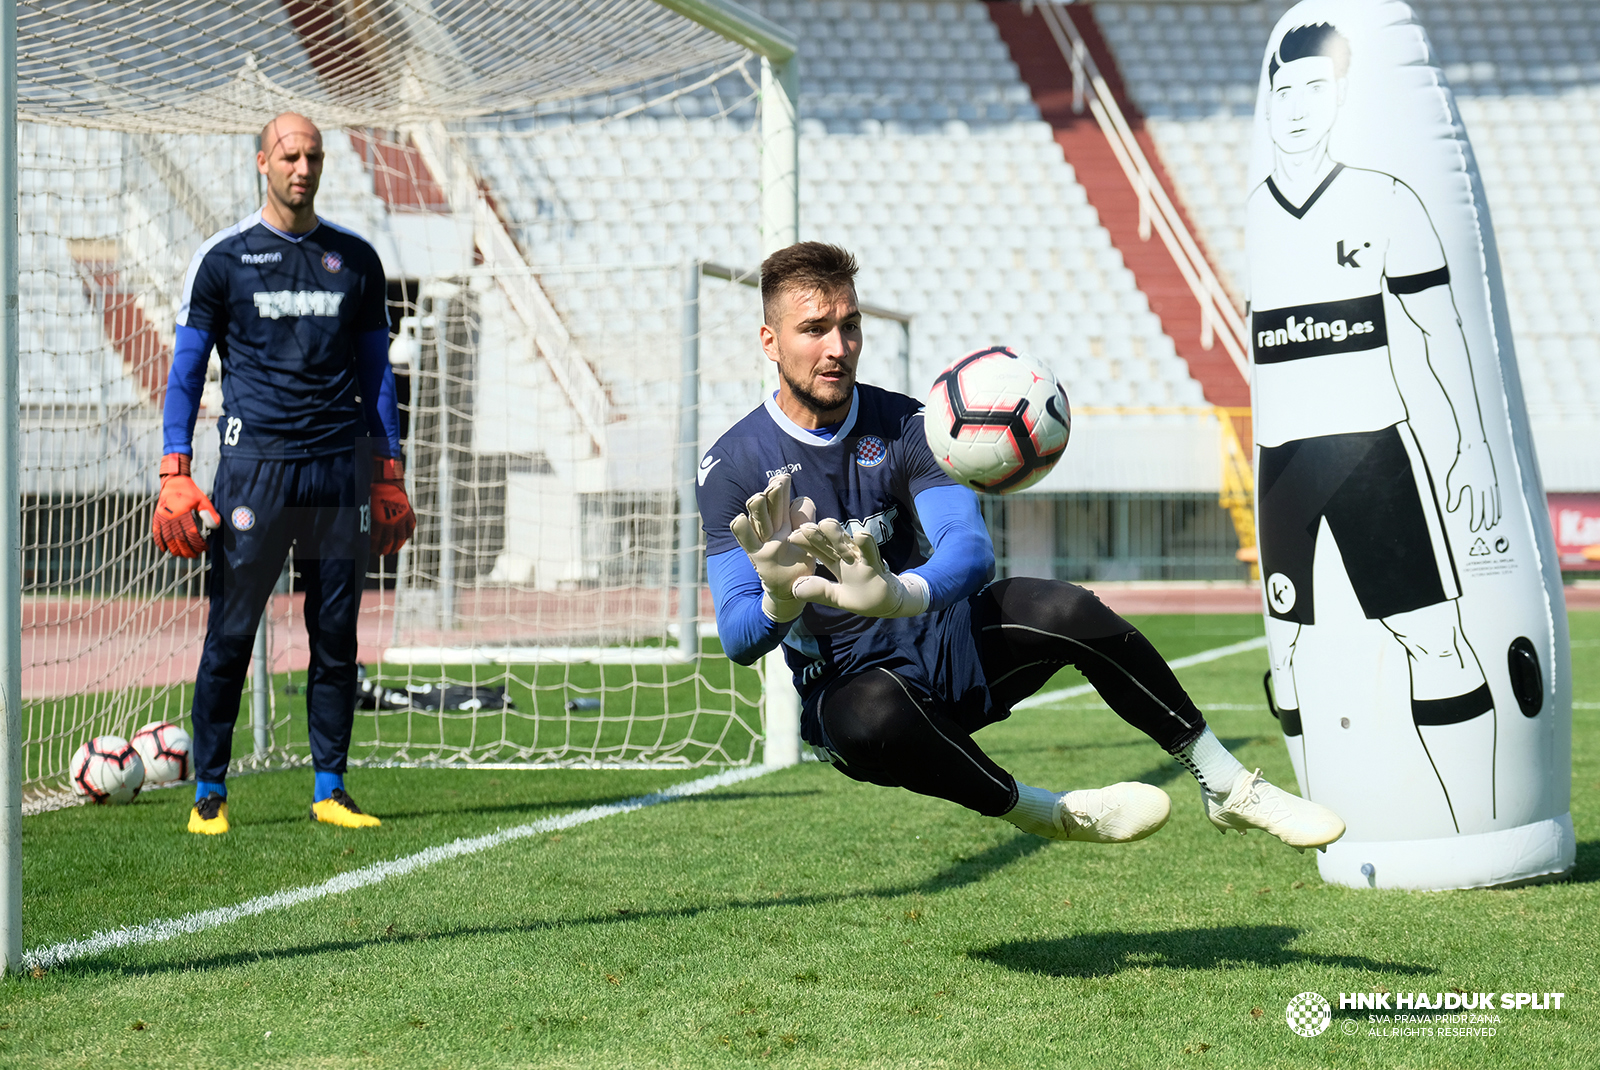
(379, 401)
(961, 562)
(187, 379)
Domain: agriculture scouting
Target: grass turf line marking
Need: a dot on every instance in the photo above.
(1051, 697)
(166, 928)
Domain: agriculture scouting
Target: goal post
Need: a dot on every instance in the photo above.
(780, 227)
(10, 511)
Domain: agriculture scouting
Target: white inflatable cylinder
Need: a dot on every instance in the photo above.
(1415, 617)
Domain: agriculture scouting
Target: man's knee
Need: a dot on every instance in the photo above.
(867, 717)
(1058, 608)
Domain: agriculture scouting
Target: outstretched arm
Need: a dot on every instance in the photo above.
(963, 557)
(743, 628)
(961, 562)
(1472, 479)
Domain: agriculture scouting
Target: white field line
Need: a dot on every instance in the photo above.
(1050, 698)
(167, 928)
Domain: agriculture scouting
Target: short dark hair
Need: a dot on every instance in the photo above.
(1303, 42)
(808, 265)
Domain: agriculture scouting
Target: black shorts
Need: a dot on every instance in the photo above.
(1375, 493)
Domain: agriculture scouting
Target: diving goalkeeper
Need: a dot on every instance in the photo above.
(900, 646)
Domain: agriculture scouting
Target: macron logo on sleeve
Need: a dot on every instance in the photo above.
(276, 304)
(707, 463)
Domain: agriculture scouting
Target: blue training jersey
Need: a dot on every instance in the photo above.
(867, 477)
(285, 312)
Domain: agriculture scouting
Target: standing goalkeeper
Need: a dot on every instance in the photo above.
(295, 307)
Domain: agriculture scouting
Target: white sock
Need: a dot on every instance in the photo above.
(1034, 812)
(1211, 763)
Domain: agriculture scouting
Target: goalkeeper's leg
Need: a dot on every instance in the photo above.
(244, 560)
(334, 546)
(885, 729)
(1029, 628)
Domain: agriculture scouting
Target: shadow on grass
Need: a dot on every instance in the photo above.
(1587, 866)
(961, 872)
(1105, 953)
(533, 811)
(1163, 772)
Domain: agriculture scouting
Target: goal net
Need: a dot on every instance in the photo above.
(542, 181)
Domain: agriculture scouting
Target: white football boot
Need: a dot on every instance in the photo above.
(1253, 803)
(1120, 813)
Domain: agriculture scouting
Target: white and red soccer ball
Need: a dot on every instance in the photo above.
(164, 748)
(997, 420)
(107, 770)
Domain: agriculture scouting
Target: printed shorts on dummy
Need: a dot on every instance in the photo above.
(1375, 493)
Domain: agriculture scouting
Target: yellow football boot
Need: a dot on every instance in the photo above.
(340, 809)
(209, 816)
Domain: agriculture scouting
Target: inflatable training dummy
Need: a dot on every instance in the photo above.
(1414, 613)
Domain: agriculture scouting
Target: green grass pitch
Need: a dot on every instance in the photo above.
(797, 919)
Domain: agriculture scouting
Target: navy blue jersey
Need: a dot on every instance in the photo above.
(285, 313)
(867, 477)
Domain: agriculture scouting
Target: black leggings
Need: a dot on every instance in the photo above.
(888, 730)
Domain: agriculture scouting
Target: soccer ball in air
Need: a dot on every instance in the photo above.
(108, 770)
(997, 420)
(164, 749)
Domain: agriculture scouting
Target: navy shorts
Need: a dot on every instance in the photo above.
(321, 505)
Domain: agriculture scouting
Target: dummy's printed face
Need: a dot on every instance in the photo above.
(292, 164)
(816, 343)
(1303, 104)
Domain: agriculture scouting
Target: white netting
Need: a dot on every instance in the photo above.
(213, 66)
(534, 218)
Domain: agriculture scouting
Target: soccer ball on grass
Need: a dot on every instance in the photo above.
(997, 420)
(108, 770)
(164, 749)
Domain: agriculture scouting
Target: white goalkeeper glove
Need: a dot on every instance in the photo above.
(864, 585)
(763, 531)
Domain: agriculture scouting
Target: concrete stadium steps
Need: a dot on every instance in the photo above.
(1084, 145)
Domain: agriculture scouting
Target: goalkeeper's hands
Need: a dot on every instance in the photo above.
(864, 585)
(392, 518)
(764, 532)
(184, 516)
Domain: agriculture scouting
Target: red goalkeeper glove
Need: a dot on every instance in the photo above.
(392, 518)
(184, 515)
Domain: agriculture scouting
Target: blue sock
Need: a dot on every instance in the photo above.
(326, 783)
(202, 788)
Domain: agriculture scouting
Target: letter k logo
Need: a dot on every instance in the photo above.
(1349, 259)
